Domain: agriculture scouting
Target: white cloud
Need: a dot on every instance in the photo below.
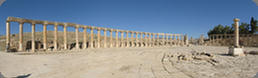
(1, 2)
(256, 1)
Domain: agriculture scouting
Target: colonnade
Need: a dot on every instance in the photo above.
(216, 37)
(137, 39)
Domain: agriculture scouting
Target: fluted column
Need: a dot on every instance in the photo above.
(111, 38)
(7, 36)
(33, 37)
(127, 39)
(77, 37)
(65, 36)
(132, 41)
(91, 37)
(84, 37)
(98, 37)
(117, 42)
(55, 37)
(122, 39)
(21, 37)
(105, 38)
(45, 36)
(136, 39)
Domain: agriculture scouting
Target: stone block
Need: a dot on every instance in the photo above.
(236, 51)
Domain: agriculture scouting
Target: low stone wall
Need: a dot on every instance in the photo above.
(250, 40)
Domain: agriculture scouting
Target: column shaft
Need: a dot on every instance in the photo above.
(136, 39)
(55, 37)
(158, 40)
(65, 37)
(236, 32)
(105, 38)
(111, 38)
(132, 41)
(84, 37)
(117, 42)
(21, 37)
(149, 39)
(91, 38)
(45, 36)
(127, 39)
(33, 37)
(7, 36)
(122, 39)
(163, 39)
(141, 39)
(146, 40)
(77, 37)
(153, 39)
(98, 38)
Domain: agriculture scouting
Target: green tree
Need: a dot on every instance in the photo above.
(244, 28)
(228, 30)
(253, 24)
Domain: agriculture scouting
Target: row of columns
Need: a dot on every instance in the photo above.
(149, 39)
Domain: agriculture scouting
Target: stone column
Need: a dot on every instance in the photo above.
(33, 37)
(21, 37)
(149, 40)
(174, 39)
(182, 39)
(171, 41)
(7, 36)
(77, 37)
(236, 50)
(122, 39)
(158, 40)
(91, 37)
(136, 39)
(111, 38)
(127, 39)
(55, 36)
(167, 36)
(98, 37)
(236, 40)
(163, 39)
(153, 39)
(146, 39)
(117, 42)
(177, 41)
(186, 39)
(45, 36)
(84, 37)
(132, 41)
(65, 36)
(141, 38)
(105, 38)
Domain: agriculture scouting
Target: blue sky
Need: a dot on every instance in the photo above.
(192, 17)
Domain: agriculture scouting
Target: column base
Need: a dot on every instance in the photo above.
(236, 51)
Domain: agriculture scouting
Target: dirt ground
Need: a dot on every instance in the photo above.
(159, 62)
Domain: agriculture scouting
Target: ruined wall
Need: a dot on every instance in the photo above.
(250, 40)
